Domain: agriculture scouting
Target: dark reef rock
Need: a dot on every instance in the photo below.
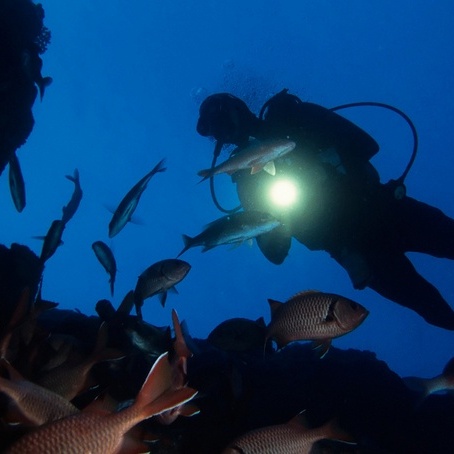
(23, 37)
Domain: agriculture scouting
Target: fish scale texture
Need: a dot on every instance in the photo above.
(61, 436)
(304, 317)
(279, 439)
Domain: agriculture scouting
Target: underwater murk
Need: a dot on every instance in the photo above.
(118, 333)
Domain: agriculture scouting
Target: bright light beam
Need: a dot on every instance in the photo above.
(283, 193)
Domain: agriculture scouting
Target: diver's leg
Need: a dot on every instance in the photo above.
(395, 278)
(424, 228)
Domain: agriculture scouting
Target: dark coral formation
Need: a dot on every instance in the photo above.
(23, 37)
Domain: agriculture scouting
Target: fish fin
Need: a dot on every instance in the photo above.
(75, 178)
(156, 395)
(256, 169)
(189, 410)
(207, 248)
(205, 174)
(173, 289)
(187, 241)
(261, 322)
(42, 84)
(170, 400)
(180, 347)
(306, 292)
(270, 168)
(321, 347)
(274, 306)
(163, 298)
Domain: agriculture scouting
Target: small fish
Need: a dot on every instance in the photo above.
(293, 437)
(130, 201)
(37, 405)
(257, 156)
(232, 229)
(101, 432)
(427, 386)
(73, 204)
(158, 279)
(314, 315)
(107, 260)
(239, 335)
(16, 183)
(52, 239)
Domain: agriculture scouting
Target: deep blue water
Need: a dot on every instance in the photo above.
(128, 80)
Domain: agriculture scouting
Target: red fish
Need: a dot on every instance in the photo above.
(293, 437)
(314, 315)
(101, 432)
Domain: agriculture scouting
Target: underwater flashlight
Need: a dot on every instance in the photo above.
(283, 193)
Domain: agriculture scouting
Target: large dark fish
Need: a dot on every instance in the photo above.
(107, 260)
(158, 279)
(257, 156)
(16, 183)
(293, 437)
(52, 239)
(239, 335)
(232, 229)
(314, 315)
(101, 432)
(73, 204)
(129, 203)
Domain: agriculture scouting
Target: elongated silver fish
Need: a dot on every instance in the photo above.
(158, 279)
(127, 206)
(293, 437)
(314, 315)
(73, 204)
(16, 183)
(105, 256)
(233, 228)
(257, 155)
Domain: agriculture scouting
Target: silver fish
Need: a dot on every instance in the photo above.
(257, 155)
(159, 278)
(107, 260)
(130, 201)
(16, 183)
(73, 204)
(232, 229)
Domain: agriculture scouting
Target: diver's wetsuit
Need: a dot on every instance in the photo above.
(345, 210)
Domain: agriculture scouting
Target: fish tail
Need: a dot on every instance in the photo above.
(333, 431)
(159, 167)
(187, 240)
(204, 173)
(75, 178)
(156, 394)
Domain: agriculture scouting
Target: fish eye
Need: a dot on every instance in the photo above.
(329, 318)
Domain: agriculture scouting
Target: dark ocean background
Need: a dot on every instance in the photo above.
(128, 78)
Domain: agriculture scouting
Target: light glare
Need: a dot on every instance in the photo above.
(283, 193)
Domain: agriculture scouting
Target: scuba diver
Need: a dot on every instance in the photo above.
(329, 197)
